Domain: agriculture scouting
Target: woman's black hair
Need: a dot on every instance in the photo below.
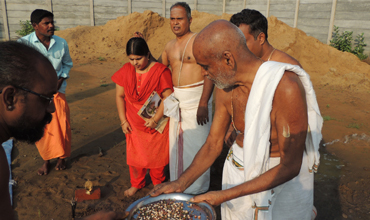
(137, 46)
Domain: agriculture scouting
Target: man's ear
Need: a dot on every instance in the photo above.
(190, 20)
(228, 57)
(34, 25)
(9, 97)
(261, 38)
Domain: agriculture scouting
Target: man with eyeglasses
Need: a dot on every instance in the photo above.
(56, 142)
(28, 83)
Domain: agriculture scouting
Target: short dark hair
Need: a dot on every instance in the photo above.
(38, 14)
(256, 21)
(185, 6)
(137, 46)
(18, 64)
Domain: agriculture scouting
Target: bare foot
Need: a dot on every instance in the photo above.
(131, 191)
(61, 164)
(44, 170)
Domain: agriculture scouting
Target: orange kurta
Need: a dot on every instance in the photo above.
(145, 147)
(56, 142)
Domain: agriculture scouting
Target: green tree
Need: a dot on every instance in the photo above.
(343, 42)
(26, 28)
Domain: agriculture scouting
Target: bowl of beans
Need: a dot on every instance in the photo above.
(170, 206)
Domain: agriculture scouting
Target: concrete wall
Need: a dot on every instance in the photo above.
(105, 10)
(313, 16)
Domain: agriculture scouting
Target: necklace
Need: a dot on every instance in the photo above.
(232, 114)
(271, 54)
(182, 59)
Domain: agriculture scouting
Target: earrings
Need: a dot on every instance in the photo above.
(10, 107)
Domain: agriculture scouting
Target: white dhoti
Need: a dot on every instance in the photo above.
(293, 199)
(182, 106)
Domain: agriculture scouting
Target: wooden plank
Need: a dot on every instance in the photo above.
(223, 6)
(296, 14)
(50, 4)
(129, 7)
(92, 20)
(331, 24)
(268, 9)
(163, 8)
(5, 19)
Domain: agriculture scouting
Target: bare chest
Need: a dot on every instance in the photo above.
(179, 55)
(237, 106)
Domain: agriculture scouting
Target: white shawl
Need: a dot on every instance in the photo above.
(257, 123)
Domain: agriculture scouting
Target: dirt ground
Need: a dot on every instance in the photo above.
(342, 88)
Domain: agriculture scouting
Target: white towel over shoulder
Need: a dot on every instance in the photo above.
(257, 122)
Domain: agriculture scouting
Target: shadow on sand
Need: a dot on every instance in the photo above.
(105, 143)
(326, 186)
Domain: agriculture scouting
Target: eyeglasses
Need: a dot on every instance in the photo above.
(49, 99)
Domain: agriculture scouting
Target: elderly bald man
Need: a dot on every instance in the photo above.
(268, 173)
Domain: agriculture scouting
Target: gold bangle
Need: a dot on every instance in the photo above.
(154, 121)
(123, 123)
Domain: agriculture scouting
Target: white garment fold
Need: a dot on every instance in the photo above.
(291, 200)
(194, 135)
(256, 143)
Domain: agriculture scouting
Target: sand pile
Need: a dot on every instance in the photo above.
(326, 65)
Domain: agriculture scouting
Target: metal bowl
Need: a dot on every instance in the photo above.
(206, 210)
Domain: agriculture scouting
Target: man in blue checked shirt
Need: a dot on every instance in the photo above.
(56, 142)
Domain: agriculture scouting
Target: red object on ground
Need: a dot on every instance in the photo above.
(80, 194)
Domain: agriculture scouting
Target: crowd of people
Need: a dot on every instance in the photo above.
(266, 113)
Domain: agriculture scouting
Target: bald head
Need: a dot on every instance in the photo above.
(221, 51)
(217, 37)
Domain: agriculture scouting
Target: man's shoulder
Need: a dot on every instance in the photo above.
(286, 58)
(28, 37)
(59, 39)
(170, 44)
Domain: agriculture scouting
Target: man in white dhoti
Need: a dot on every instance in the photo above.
(268, 173)
(190, 106)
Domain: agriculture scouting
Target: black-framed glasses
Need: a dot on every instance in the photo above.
(49, 99)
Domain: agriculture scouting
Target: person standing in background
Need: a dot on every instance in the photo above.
(56, 142)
